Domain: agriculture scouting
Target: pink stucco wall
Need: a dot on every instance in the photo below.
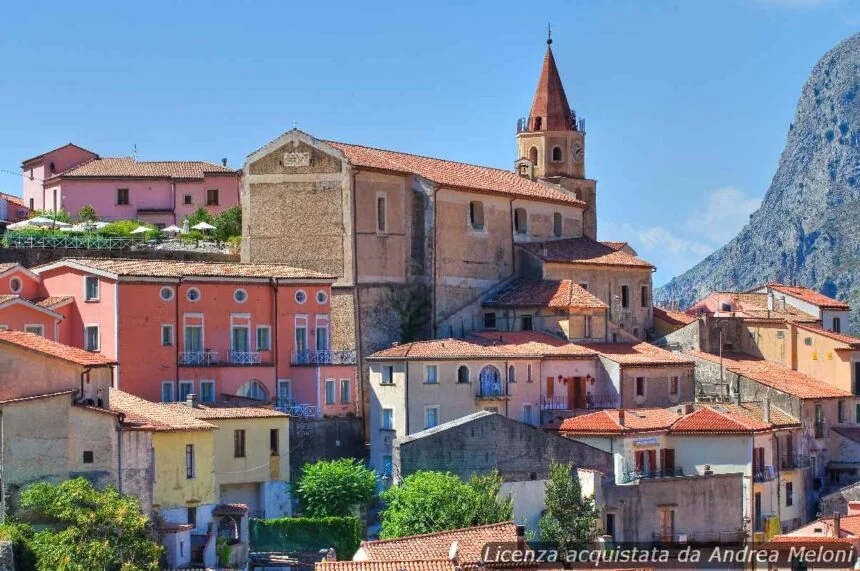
(18, 315)
(63, 159)
(29, 286)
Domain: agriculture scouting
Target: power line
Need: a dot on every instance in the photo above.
(21, 174)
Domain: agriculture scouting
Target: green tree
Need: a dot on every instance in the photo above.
(88, 214)
(436, 501)
(200, 215)
(89, 528)
(228, 223)
(570, 520)
(58, 215)
(334, 487)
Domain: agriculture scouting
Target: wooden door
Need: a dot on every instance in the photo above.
(667, 461)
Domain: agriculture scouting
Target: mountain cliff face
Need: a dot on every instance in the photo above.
(807, 229)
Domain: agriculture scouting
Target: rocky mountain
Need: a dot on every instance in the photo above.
(807, 230)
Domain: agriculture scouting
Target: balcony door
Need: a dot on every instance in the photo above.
(667, 461)
(241, 339)
(193, 339)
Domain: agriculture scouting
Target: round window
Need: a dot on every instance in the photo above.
(321, 297)
(166, 293)
(301, 296)
(15, 285)
(240, 296)
(193, 294)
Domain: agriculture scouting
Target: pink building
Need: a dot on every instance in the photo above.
(260, 331)
(159, 192)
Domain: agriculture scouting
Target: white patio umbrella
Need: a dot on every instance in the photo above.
(173, 229)
(140, 230)
(39, 222)
(75, 228)
(203, 226)
(18, 225)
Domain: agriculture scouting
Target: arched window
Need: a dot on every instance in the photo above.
(556, 155)
(476, 215)
(254, 389)
(463, 374)
(538, 123)
(512, 374)
(533, 155)
(521, 224)
(556, 224)
(491, 381)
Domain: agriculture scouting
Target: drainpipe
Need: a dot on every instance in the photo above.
(406, 394)
(435, 251)
(86, 373)
(606, 323)
(513, 257)
(176, 329)
(119, 425)
(778, 479)
(359, 359)
(274, 330)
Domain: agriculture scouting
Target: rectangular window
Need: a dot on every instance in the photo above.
(819, 421)
(857, 378)
(490, 320)
(189, 461)
(388, 375)
(166, 335)
(840, 410)
(185, 389)
(207, 391)
(264, 338)
(91, 288)
(285, 390)
(529, 373)
(430, 375)
(556, 224)
(240, 339)
(88, 457)
(640, 386)
(381, 211)
(388, 419)
(193, 338)
(186, 199)
(520, 221)
(167, 391)
(625, 296)
(587, 327)
(212, 197)
(673, 386)
(527, 324)
(35, 330)
(789, 494)
(645, 297)
(857, 413)
(431, 416)
(329, 391)
(238, 444)
(345, 391)
(92, 338)
(476, 215)
(274, 442)
(837, 324)
(301, 339)
(122, 196)
(527, 414)
(191, 516)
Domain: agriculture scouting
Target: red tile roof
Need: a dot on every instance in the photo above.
(809, 296)
(607, 421)
(550, 102)
(141, 414)
(397, 565)
(773, 375)
(36, 397)
(428, 546)
(31, 159)
(673, 317)
(127, 167)
(455, 175)
(849, 432)
(584, 251)
(753, 410)
(488, 345)
(53, 300)
(711, 419)
(782, 542)
(613, 245)
(852, 342)
(207, 412)
(544, 293)
(639, 355)
(177, 269)
(534, 343)
(50, 348)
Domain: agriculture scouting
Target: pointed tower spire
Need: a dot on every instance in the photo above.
(550, 109)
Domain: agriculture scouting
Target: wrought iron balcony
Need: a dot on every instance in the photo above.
(592, 402)
(794, 462)
(698, 538)
(292, 408)
(245, 357)
(634, 475)
(199, 358)
(763, 474)
(491, 391)
(324, 357)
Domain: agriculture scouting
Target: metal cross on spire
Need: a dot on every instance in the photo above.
(548, 33)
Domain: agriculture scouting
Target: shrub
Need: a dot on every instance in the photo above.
(87, 214)
(20, 534)
(228, 224)
(120, 228)
(308, 535)
(59, 215)
(334, 487)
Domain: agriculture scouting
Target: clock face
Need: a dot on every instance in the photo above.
(577, 152)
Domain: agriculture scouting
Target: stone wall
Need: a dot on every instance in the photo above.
(7, 556)
(324, 439)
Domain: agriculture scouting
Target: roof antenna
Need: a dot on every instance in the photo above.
(134, 152)
(548, 34)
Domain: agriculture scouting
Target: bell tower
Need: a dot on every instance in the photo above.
(551, 141)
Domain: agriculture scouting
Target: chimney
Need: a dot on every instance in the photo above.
(621, 417)
(765, 409)
(224, 162)
(689, 408)
(854, 508)
(837, 525)
(770, 301)
(521, 537)
(191, 400)
(454, 554)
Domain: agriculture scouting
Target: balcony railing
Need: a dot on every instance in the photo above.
(763, 474)
(699, 538)
(634, 475)
(245, 357)
(199, 358)
(794, 462)
(592, 402)
(324, 357)
(291, 407)
(491, 391)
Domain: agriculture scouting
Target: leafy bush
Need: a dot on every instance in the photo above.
(20, 534)
(437, 501)
(87, 214)
(334, 487)
(307, 535)
(234, 242)
(60, 215)
(228, 224)
(120, 228)
(200, 215)
(223, 550)
(570, 520)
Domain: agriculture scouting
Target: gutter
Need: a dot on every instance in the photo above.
(274, 330)
(176, 332)
(359, 358)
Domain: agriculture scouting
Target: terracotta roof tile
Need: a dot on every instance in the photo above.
(534, 343)
(53, 349)
(773, 375)
(7, 266)
(809, 541)
(176, 269)
(550, 102)
(544, 293)
(809, 296)
(613, 245)
(673, 317)
(142, 414)
(36, 397)
(639, 355)
(710, 419)
(488, 344)
(849, 432)
(607, 421)
(852, 342)
(453, 174)
(31, 159)
(398, 565)
(753, 410)
(426, 546)
(53, 300)
(583, 251)
(206, 412)
(122, 167)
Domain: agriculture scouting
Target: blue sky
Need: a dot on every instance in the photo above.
(687, 103)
